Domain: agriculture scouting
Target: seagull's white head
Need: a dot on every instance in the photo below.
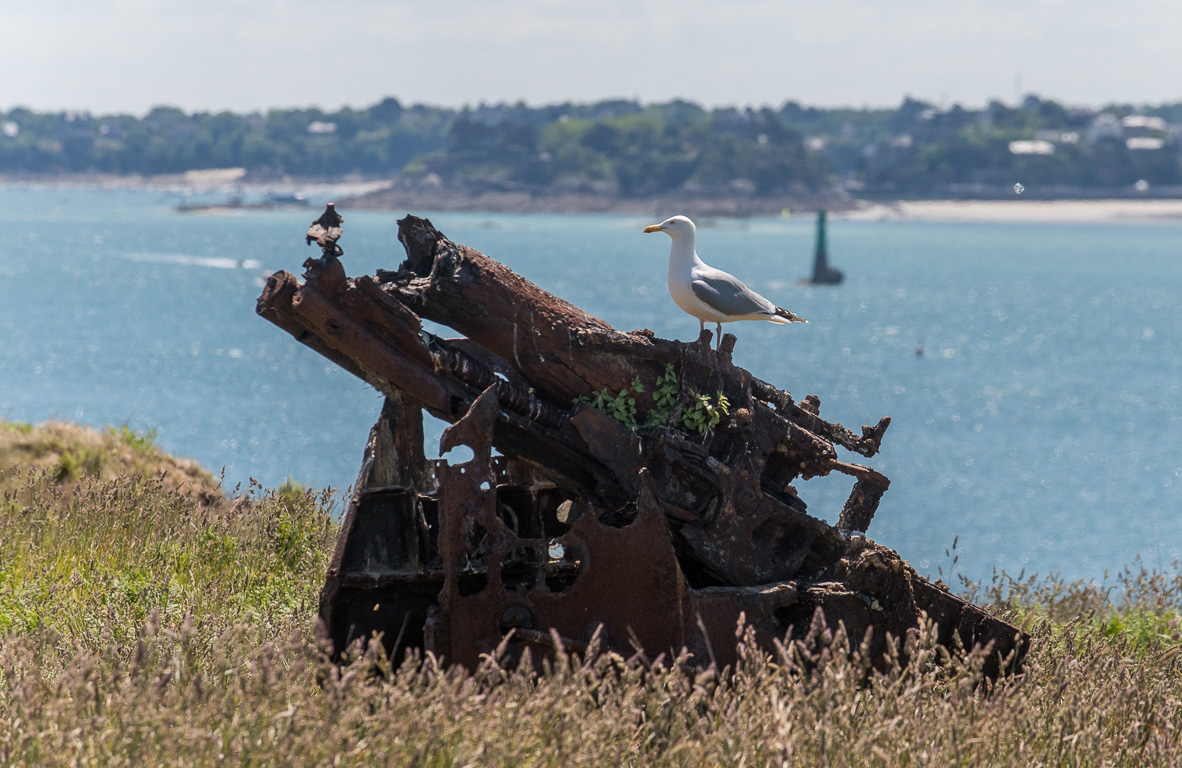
(676, 227)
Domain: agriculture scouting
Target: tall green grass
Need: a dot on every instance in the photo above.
(142, 626)
(95, 559)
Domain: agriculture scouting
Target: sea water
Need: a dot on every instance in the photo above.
(1040, 428)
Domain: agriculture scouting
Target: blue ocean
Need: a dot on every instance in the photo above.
(1041, 428)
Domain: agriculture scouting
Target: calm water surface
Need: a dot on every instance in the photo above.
(1043, 424)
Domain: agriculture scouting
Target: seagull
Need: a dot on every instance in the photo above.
(707, 293)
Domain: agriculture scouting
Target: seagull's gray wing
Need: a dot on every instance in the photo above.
(725, 293)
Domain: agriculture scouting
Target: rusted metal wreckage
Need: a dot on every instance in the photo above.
(565, 522)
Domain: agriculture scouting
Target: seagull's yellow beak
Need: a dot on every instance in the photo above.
(653, 228)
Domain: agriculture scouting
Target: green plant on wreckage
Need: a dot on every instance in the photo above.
(702, 414)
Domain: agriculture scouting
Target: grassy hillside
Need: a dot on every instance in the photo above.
(147, 622)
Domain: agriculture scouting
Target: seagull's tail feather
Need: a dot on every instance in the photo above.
(784, 316)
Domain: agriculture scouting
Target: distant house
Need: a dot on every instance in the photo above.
(1144, 142)
(1140, 125)
(1143, 132)
(1032, 147)
(1138, 132)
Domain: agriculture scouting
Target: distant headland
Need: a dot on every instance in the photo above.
(621, 155)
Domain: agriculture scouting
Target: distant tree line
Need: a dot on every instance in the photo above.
(626, 148)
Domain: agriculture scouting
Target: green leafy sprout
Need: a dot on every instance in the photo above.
(702, 414)
(621, 406)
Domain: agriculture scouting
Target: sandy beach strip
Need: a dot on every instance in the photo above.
(1159, 211)
(379, 194)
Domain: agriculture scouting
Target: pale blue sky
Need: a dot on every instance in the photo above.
(129, 55)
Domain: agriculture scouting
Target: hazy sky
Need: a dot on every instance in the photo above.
(129, 55)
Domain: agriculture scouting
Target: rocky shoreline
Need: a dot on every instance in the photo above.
(486, 199)
(399, 198)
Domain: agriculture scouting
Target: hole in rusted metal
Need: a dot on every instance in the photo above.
(550, 505)
(472, 583)
(519, 568)
(564, 564)
(516, 616)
